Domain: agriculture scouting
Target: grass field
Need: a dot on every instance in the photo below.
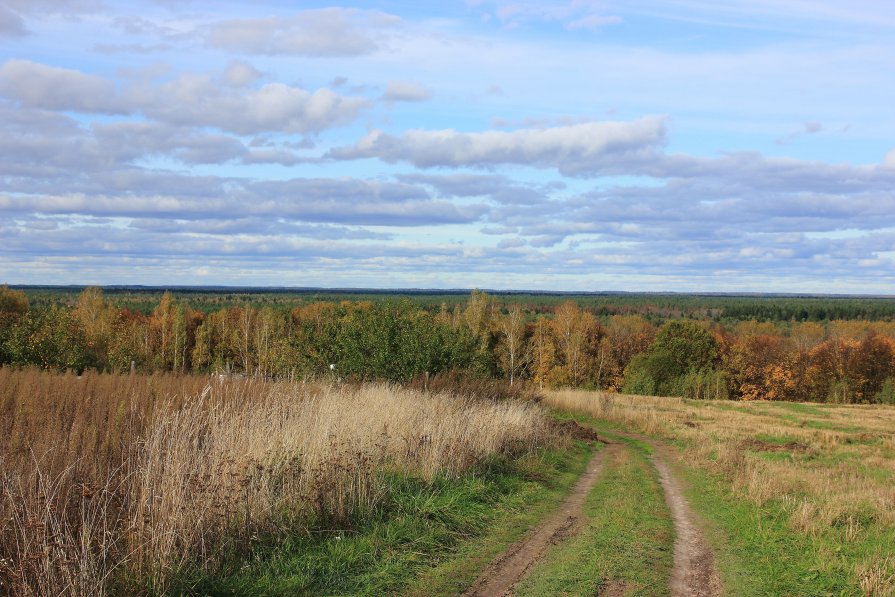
(799, 497)
(171, 484)
(123, 484)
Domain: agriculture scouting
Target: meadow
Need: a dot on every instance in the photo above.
(152, 484)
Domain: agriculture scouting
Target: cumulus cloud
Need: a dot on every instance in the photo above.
(406, 91)
(190, 99)
(37, 85)
(194, 99)
(241, 74)
(592, 147)
(318, 32)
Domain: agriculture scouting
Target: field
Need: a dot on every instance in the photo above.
(188, 484)
(116, 483)
(799, 493)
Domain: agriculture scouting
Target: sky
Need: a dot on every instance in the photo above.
(636, 145)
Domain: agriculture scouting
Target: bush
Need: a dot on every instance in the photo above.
(886, 395)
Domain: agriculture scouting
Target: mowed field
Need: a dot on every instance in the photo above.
(179, 484)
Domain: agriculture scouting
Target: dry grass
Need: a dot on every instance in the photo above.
(119, 481)
(832, 467)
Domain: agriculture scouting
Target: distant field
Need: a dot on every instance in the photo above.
(820, 480)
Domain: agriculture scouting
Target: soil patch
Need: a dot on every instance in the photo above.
(615, 588)
(575, 431)
(758, 445)
(694, 573)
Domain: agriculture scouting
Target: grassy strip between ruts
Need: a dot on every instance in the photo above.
(626, 546)
(757, 553)
(428, 539)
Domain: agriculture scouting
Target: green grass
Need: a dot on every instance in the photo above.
(627, 541)
(422, 535)
(758, 553)
(801, 408)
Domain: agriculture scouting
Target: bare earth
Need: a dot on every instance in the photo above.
(503, 573)
(694, 573)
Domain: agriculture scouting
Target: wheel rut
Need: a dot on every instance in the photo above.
(694, 573)
(503, 573)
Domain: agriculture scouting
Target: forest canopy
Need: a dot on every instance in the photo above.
(667, 346)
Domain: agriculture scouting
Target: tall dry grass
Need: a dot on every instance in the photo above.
(830, 466)
(114, 483)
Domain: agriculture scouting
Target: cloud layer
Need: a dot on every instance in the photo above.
(558, 145)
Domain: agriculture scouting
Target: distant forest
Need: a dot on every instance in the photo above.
(835, 349)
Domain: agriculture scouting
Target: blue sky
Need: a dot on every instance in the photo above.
(683, 145)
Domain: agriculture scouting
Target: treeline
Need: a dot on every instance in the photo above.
(563, 346)
(657, 308)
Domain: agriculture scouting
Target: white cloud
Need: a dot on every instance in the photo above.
(241, 74)
(319, 32)
(196, 100)
(406, 91)
(37, 85)
(582, 148)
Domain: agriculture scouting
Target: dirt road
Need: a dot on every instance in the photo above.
(694, 573)
(502, 574)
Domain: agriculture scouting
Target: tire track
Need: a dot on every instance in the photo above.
(506, 570)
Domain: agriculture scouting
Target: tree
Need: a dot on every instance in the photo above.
(760, 368)
(543, 353)
(690, 345)
(13, 305)
(513, 355)
(478, 318)
(13, 301)
(49, 338)
(570, 333)
(96, 319)
(681, 348)
(627, 336)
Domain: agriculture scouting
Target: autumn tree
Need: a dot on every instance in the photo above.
(96, 319)
(803, 338)
(627, 336)
(760, 367)
(478, 319)
(570, 329)
(13, 305)
(543, 351)
(513, 354)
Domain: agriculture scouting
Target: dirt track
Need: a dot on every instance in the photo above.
(502, 574)
(693, 574)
